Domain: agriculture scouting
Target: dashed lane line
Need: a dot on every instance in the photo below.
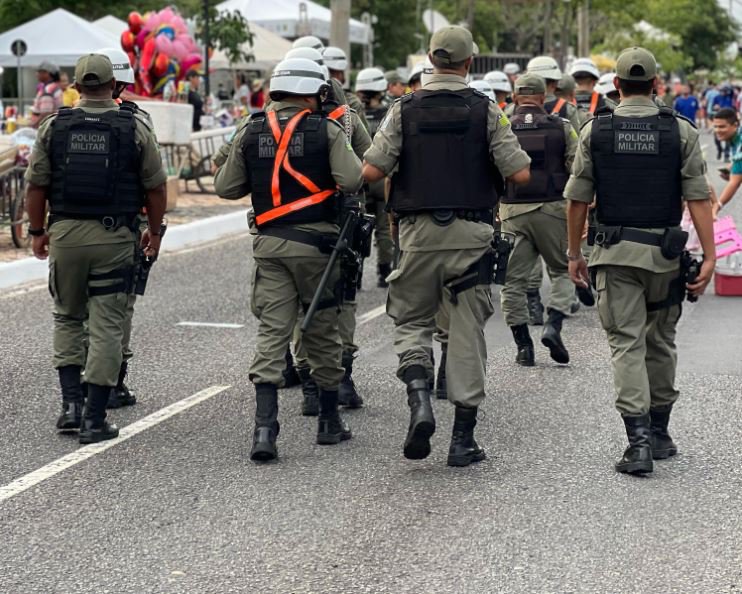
(370, 315)
(35, 477)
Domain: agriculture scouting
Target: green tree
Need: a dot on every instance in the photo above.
(228, 31)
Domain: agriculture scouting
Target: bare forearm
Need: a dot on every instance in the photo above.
(576, 217)
(371, 173)
(703, 221)
(36, 205)
(730, 189)
(156, 202)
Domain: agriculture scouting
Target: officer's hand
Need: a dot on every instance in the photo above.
(150, 244)
(703, 279)
(578, 272)
(40, 246)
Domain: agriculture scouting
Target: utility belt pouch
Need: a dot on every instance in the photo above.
(502, 244)
(673, 242)
(606, 236)
(443, 217)
(591, 231)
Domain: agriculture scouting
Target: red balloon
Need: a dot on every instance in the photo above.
(160, 66)
(127, 41)
(135, 21)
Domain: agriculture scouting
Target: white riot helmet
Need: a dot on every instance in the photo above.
(297, 76)
(584, 66)
(605, 84)
(335, 58)
(511, 68)
(309, 41)
(546, 67)
(122, 70)
(499, 81)
(307, 53)
(371, 79)
(427, 71)
(417, 70)
(483, 87)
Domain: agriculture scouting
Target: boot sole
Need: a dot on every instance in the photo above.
(417, 445)
(68, 430)
(663, 454)
(460, 461)
(526, 363)
(354, 404)
(263, 454)
(120, 404)
(86, 438)
(332, 438)
(635, 468)
(556, 351)
(309, 412)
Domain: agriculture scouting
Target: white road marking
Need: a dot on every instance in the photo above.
(370, 315)
(53, 468)
(210, 325)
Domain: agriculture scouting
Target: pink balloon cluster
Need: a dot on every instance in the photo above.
(160, 49)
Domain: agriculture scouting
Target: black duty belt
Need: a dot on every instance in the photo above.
(445, 216)
(606, 236)
(109, 222)
(324, 243)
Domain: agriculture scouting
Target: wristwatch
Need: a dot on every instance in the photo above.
(36, 232)
(576, 258)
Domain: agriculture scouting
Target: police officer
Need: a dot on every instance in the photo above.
(308, 155)
(337, 63)
(512, 69)
(586, 75)
(395, 88)
(95, 166)
(606, 87)
(547, 68)
(444, 193)
(500, 84)
(641, 162)
(566, 88)
(536, 215)
(370, 86)
(415, 80)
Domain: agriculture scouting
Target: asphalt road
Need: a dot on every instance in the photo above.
(178, 507)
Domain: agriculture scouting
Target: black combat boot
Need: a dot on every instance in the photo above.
(535, 307)
(662, 444)
(266, 423)
(347, 393)
(72, 398)
(310, 391)
(441, 387)
(384, 271)
(637, 459)
(331, 429)
(552, 337)
(464, 449)
(585, 295)
(290, 373)
(525, 356)
(94, 427)
(120, 394)
(422, 421)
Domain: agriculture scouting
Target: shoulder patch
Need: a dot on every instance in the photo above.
(503, 120)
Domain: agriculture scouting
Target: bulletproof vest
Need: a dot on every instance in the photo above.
(445, 160)
(307, 155)
(636, 165)
(585, 101)
(374, 117)
(549, 107)
(95, 164)
(542, 136)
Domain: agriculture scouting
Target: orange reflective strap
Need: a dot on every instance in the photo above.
(502, 104)
(285, 209)
(337, 113)
(594, 101)
(275, 126)
(558, 106)
(281, 152)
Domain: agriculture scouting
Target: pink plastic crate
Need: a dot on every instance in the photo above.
(728, 285)
(726, 237)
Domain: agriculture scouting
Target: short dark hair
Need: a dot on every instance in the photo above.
(727, 114)
(192, 73)
(635, 87)
(445, 65)
(583, 76)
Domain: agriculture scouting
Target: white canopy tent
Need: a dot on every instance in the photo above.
(267, 50)
(285, 18)
(58, 36)
(112, 25)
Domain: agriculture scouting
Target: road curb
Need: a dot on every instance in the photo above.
(178, 237)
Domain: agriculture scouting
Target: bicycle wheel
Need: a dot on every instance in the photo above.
(19, 220)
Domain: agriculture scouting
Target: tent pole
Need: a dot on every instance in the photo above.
(207, 44)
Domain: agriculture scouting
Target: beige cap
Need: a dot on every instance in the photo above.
(566, 84)
(393, 77)
(93, 70)
(530, 84)
(452, 44)
(636, 63)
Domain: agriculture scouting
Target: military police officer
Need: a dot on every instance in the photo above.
(548, 69)
(95, 166)
(536, 215)
(640, 162)
(588, 99)
(448, 141)
(395, 88)
(291, 159)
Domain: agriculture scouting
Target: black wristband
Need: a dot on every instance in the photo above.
(36, 232)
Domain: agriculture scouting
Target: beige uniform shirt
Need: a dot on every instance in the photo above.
(557, 208)
(505, 152)
(39, 173)
(581, 188)
(232, 180)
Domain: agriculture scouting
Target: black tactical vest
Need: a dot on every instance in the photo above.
(374, 117)
(584, 100)
(308, 154)
(95, 164)
(542, 137)
(549, 106)
(445, 161)
(636, 165)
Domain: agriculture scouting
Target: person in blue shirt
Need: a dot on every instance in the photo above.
(686, 104)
